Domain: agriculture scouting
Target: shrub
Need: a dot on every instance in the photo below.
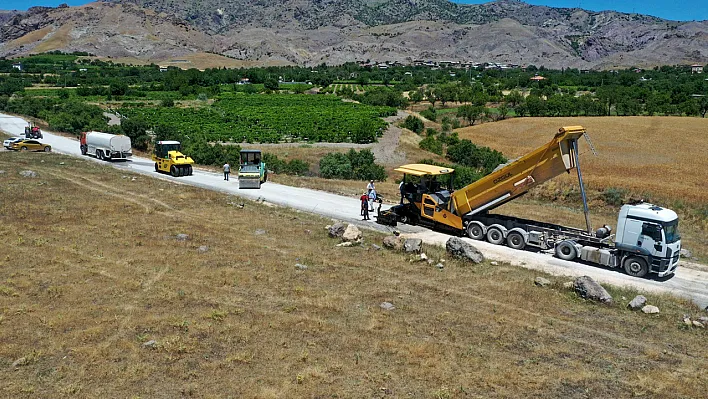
(468, 154)
(292, 167)
(429, 114)
(414, 124)
(431, 144)
(351, 166)
(614, 196)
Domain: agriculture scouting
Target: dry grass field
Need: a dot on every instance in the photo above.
(665, 158)
(92, 271)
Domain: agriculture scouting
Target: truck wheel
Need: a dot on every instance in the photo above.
(190, 170)
(495, 236)
(566, 250)
(47, 149)
(157, 169)
(173, 171)
(475, 231)
(98, 154)
(636, 266)
(23, 148)
(516, 240)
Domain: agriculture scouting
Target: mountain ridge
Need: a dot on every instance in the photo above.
(309, 32)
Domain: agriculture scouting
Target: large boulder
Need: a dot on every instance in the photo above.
(461, 249)
(393, 242)
(351, 234)
(587, 288)
(337, 230)
(413, 245)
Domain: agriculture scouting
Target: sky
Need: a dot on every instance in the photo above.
(685, 10)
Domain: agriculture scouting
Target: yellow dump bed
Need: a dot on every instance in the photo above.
(519, 176)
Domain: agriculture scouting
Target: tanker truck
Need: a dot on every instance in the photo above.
(647, 239)
(105, 146)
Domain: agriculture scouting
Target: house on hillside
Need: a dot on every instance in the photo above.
(538, 78)
(163, 68)
(695, 68)
(17, 66)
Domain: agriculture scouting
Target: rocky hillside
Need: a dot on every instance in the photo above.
(336, 31)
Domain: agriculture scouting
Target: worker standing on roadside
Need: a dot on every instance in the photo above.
(364, 206)
(370, 186)
(227, 170)
(372, 198)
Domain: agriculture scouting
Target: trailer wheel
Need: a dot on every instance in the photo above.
(475, 231)
(495, 236)
(566, 250)
(98, 154)
(173, 171)
(636, 266)
(157, 169)
(516, 240)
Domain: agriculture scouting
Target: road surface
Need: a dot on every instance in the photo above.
(687, 282)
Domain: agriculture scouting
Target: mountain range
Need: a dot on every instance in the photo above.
(309, 32)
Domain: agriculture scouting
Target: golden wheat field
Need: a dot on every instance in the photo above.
(664, 158)
(100, 299)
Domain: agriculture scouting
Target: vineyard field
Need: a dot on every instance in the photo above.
(270, 119)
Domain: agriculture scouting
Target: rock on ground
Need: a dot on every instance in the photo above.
(685, 253)
(588, 288)
(375, 247)
(393, 242)
(182, 237)
(413, 245)
(351, 233)
(202, 249)
(337, 230)
(259, 232)
(541, 282)
(650, 309)
(637, 303)
(28, 173)
(300, 266)
(150, 344)
(387, 306)
(345, 244)
(461, 249)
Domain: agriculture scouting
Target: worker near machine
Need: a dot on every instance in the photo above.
(370, 186)
(365, 206)
(372, 198)
(401, 188)
(227, 170)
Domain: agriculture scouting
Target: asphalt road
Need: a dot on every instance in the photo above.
(687, 282)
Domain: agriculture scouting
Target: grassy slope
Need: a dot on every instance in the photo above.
(91, 270)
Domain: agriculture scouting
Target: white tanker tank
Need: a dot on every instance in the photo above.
(106, 146)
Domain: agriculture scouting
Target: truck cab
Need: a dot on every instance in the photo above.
(650, 233)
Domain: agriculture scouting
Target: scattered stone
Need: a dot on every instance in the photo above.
(413, 245)
(698, 324)
(650, 309)
(687, 320)
(587, 288)
(569, 285)
(393, 242)
(423, 257)
(151, 344)
(300, 266)
(494, 263)
(182, 237)
(259, 232)
(345, 244)
(19, 362)
(337, 230)
(133, 179)
(685, 253)
(703, 320)
(541, 282)
(440, 266)
(461, 249)
(387, 306)
(375, 247)
(202, 249)
(352, 233)
(637, 303)
(28, 173)
(61, 163)
(2, 172)
(308, 232)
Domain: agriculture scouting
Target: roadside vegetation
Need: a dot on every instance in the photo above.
(102, 306)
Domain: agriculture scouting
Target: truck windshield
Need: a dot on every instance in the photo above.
(672, 232)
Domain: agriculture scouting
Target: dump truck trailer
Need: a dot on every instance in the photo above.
(647, 238)
(105, 146)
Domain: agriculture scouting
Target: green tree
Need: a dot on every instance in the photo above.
(271, 83)
(471, 113)
(414, 124)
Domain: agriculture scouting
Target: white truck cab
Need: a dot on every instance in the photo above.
(648, 239)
